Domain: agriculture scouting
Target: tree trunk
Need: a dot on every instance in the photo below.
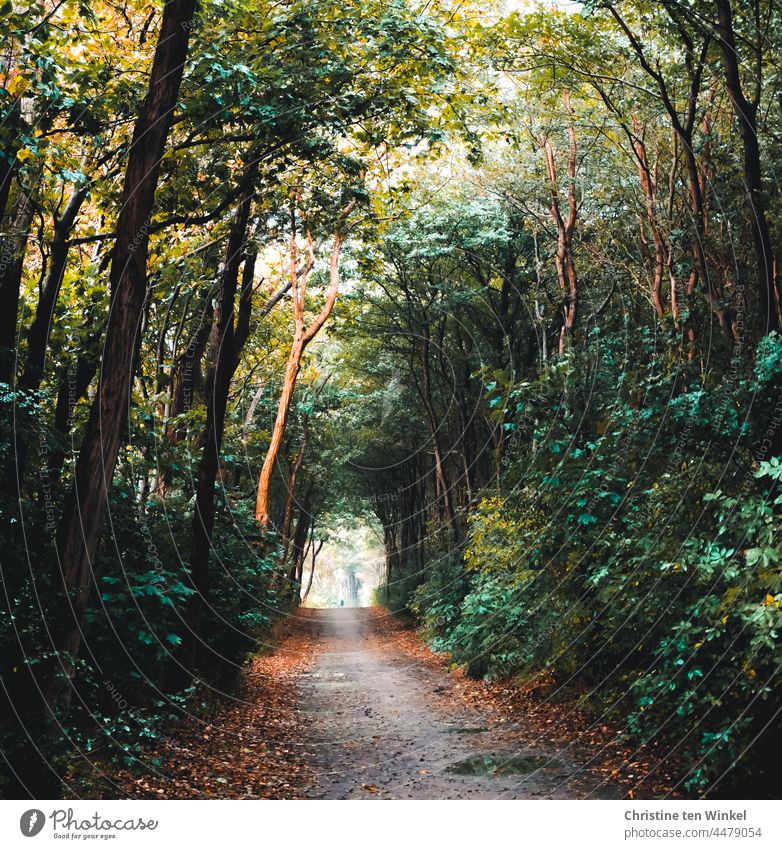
(12, 139)
(7, 171)
(40, 329)
(441, 480)
(315, 549)
(73, 386)
(224, 356)
(299, 541)
(189, 378)
(647, 174)
(683, 129)
(250, 415)
(13, 247)
(82, 520)
(278, 431)
(302, 337)
(565, 264)
(746, 115)
(288, 512)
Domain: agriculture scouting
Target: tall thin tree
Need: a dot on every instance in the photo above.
(85, 510)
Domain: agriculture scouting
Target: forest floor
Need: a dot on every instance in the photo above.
(352, 705)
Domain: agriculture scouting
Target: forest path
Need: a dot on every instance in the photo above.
(383, 724)
(350, 704)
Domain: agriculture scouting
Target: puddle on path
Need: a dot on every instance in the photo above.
(481, 764)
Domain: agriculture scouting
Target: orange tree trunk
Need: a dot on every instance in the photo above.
(283, 407)
(302, 337)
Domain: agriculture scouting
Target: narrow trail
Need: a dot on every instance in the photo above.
(352, 705)
(384, 725)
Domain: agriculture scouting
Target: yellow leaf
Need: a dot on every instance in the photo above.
(18, 85)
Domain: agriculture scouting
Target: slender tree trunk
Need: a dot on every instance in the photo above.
(7, 171)
(40, 329)
(13, 248)
(189, 378)
(648, 177)
(278, 431)
(224, 356)
(73, 386)
(565, 264)
(8, 161)
(777, 295)
(288, 512)
(746, 115)
(244, 313)
(248, 419)
(300, 540)
(683, 130)
(441, 478)
(83, 517)
(315, 551)
(38, 334)
(302, 337)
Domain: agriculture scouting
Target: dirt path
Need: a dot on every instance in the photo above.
(383, 724)
(352, 705)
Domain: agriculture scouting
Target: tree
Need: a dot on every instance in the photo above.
(228, 335)
(83, 518)
(746, 114)
(565, 263)
(302, 336)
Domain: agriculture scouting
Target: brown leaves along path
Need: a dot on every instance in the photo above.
(250, 746)
(352, 706)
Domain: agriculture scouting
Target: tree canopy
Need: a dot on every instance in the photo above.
(503, 282)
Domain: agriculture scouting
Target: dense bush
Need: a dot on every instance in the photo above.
(639, 556)
(127, 682)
